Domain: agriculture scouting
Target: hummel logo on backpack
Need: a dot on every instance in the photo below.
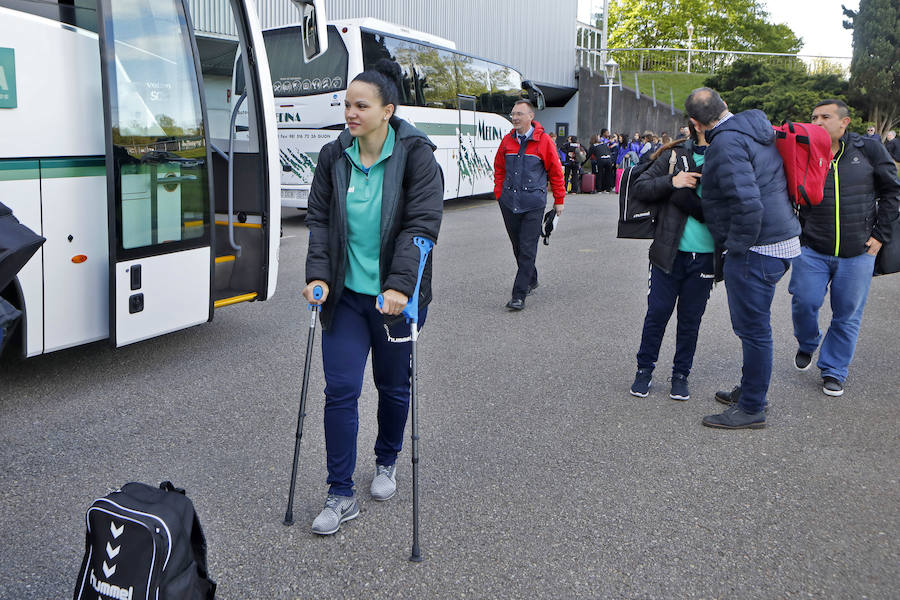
(144, 543)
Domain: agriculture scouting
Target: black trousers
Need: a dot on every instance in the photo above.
(607, 180)
(573, 177)
(524, 230)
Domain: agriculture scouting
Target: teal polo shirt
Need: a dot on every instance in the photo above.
(364, 219)
(696, 236)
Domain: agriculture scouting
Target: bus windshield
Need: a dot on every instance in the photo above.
(291, 77)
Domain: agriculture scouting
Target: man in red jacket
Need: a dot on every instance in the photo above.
(525, 160)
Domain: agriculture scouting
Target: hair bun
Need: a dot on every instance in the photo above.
(389, 69)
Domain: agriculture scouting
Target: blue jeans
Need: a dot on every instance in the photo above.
(356, 328)
(689, 285)
(750, 280)
(849, 280)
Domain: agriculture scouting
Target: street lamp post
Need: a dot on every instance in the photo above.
(610, 68)
(690, 28)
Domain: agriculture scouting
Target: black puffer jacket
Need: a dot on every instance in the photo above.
(412, 204)
(867, 199)
(655, 185)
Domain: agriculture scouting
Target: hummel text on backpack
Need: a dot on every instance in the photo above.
(144, 543)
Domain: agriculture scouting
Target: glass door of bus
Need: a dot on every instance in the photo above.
(468, 158)
(158, 177)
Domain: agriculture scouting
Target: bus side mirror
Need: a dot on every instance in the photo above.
(313, 28)
(534, 94)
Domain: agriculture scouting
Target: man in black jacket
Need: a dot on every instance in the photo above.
(893, 147)
(840, 239)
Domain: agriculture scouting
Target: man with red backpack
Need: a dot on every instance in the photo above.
(840, 239)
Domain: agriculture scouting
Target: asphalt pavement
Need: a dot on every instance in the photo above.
(541, 477)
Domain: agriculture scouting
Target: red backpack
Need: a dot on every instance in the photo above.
(805, 150)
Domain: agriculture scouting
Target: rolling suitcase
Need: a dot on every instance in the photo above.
(587, 183)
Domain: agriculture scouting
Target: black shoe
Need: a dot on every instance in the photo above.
(802, 360)
(641, 385)
(516, 304)
(679, 388)
(729, 398)
(732, 398)
(734, 418)
(832, 386)
(533, 287)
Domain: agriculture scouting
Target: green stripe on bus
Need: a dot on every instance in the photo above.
(52, 168)
(55, 168)
(444, 128)
(14, 170)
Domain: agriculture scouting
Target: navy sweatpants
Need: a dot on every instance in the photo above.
(688, 285)
(356, 328)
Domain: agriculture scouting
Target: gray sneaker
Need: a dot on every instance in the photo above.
(384, 486)
(337, 510)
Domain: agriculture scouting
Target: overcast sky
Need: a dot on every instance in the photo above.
(818, 22)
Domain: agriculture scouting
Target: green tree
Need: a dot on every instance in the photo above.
(718, 25)
(781, 92)
(875, 69)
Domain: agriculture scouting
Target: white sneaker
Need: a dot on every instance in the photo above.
(337, 510)
(384, 486)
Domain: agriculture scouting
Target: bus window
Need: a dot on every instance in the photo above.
(80, 13)
(291, 76)
(506, 84)
(436, 77)
(157, 132)
(474, 78)
(380, 47)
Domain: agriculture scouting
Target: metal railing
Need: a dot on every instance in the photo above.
(592, 56)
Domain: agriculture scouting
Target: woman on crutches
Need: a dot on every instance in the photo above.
(375, 188)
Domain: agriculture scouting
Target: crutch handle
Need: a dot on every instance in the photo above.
(318, 292)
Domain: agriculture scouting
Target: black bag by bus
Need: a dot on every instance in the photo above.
(637, 219)
(17, 245)
(9, 317)
(144, 543)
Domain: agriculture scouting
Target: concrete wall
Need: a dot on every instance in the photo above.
(629, 114)
(567, 114)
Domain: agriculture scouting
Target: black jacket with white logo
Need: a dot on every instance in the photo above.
(860, 199)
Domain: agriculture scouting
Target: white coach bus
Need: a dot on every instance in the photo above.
(105, 150)
(460, 101)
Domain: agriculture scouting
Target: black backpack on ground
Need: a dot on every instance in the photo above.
(144, 543)
(637, 219)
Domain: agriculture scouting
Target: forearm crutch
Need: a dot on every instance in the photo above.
(411, 312)
(314, 310)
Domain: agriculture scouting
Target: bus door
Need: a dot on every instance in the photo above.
(157, 168)
(246, 164)
(468, 158)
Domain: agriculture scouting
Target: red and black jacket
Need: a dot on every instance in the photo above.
(521, 171)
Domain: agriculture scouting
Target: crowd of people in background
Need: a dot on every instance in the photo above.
(604, 153)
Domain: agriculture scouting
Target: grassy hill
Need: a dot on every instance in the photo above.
(680, 83)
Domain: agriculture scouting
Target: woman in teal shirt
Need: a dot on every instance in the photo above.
(375, 188)
(682, 261)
